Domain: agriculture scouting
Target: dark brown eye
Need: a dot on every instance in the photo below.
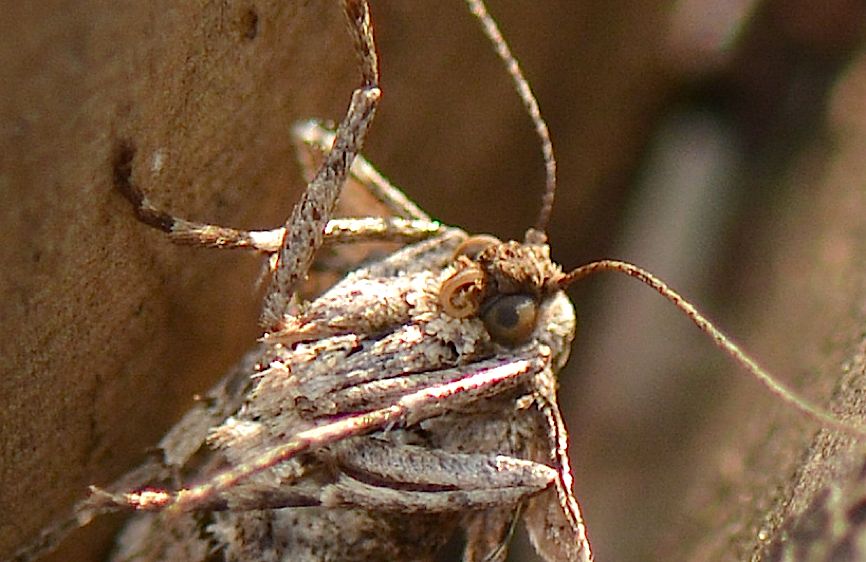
(510, 319)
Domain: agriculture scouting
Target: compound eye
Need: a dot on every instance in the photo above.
(510, 319)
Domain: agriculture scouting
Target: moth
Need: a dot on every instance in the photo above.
(413, 400)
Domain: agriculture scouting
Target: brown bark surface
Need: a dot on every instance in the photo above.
(109, 330)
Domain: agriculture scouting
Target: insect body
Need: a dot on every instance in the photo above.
(414, 398)
(467, 458)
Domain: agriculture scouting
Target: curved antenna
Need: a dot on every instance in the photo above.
(529, 102)
(720, 340)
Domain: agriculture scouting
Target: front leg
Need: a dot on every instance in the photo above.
(306, 226)
(409, 409)
(378, 475)
(314, 140)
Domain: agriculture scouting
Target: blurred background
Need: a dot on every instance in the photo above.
(717, 144)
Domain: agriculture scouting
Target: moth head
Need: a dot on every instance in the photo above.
(502, 283)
